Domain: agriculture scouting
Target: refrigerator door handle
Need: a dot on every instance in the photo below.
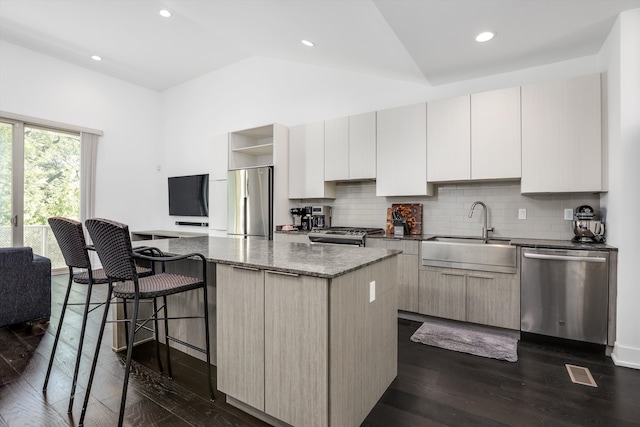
(244, 216)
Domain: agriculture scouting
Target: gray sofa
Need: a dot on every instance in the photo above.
(25, 286)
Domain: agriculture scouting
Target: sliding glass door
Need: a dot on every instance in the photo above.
(40, 178)
(9, 233)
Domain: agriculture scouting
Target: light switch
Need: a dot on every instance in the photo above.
(522, 214)
(372, 291)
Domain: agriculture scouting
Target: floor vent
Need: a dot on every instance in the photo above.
(581, 375)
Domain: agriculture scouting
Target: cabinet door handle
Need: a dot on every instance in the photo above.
(240, 267)
(453, 274)
(481, 277)
(282, 273)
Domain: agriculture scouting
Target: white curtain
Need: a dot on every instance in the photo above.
(88, 156)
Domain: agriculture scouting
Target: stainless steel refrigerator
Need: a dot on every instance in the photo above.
(250, 202)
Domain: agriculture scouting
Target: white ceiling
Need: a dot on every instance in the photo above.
(424, 41)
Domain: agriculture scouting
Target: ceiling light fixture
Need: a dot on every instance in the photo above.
(485, 37)
(308, 43)
(96, 57)
(165, 13)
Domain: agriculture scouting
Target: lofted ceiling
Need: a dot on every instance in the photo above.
(424, 41)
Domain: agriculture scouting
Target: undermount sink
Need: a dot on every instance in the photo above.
(471, 253)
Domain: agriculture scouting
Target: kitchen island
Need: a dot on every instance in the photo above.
(303, 335)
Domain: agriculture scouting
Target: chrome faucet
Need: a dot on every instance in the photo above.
(485, 229)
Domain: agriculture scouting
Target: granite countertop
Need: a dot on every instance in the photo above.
(515, 241)
(325, 261)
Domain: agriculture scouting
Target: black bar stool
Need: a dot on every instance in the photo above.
(112, 242)
(70, 237)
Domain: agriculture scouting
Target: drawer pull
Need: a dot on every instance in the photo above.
(282, 273)
(240, 267)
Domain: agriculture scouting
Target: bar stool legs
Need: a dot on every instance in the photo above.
(83, 328)
(55, 341)
(95, 357)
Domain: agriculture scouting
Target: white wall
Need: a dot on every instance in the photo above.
(40, 86)
(620, 57)
(259, 91)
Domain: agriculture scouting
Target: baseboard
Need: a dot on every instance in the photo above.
(628, 357)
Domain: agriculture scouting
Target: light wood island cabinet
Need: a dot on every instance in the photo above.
(301, 349)
(408, 264)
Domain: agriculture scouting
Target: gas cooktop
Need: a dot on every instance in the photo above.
(343, 235)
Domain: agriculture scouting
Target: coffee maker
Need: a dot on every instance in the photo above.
(321, 216)
(587, 226)
(307, 218)
(296, 217)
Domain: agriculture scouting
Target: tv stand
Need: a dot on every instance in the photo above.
(163, 234)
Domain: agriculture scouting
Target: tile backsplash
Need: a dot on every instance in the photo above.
(447, 212)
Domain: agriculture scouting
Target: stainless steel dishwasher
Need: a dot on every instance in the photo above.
(565, 293)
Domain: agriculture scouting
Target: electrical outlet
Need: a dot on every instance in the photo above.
(568, 214)
(372, 291)
(522, 214)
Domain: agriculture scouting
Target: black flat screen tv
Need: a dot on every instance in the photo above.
(189, 195)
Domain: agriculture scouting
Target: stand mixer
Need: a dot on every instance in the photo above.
(587, 227)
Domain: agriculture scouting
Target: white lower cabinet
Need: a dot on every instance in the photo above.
(473, 296)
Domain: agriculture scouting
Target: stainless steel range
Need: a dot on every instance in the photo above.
(343, 235)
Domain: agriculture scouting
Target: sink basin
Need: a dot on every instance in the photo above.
(470, 253)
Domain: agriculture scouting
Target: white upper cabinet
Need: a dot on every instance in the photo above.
(218, 149)
(496, 134)
(362, 146)
(306, 163)
(562, 136)
(474, 137)
(336, 149)
(448, 139)
(402, 152)
(350, 148)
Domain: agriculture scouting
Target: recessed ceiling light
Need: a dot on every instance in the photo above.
(485, 37)
(308, 43)
(96, 57)
(165, 13)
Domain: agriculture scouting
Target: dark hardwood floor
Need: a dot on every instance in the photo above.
(434, 386)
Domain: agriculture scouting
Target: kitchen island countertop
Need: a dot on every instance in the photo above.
(324, 261)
